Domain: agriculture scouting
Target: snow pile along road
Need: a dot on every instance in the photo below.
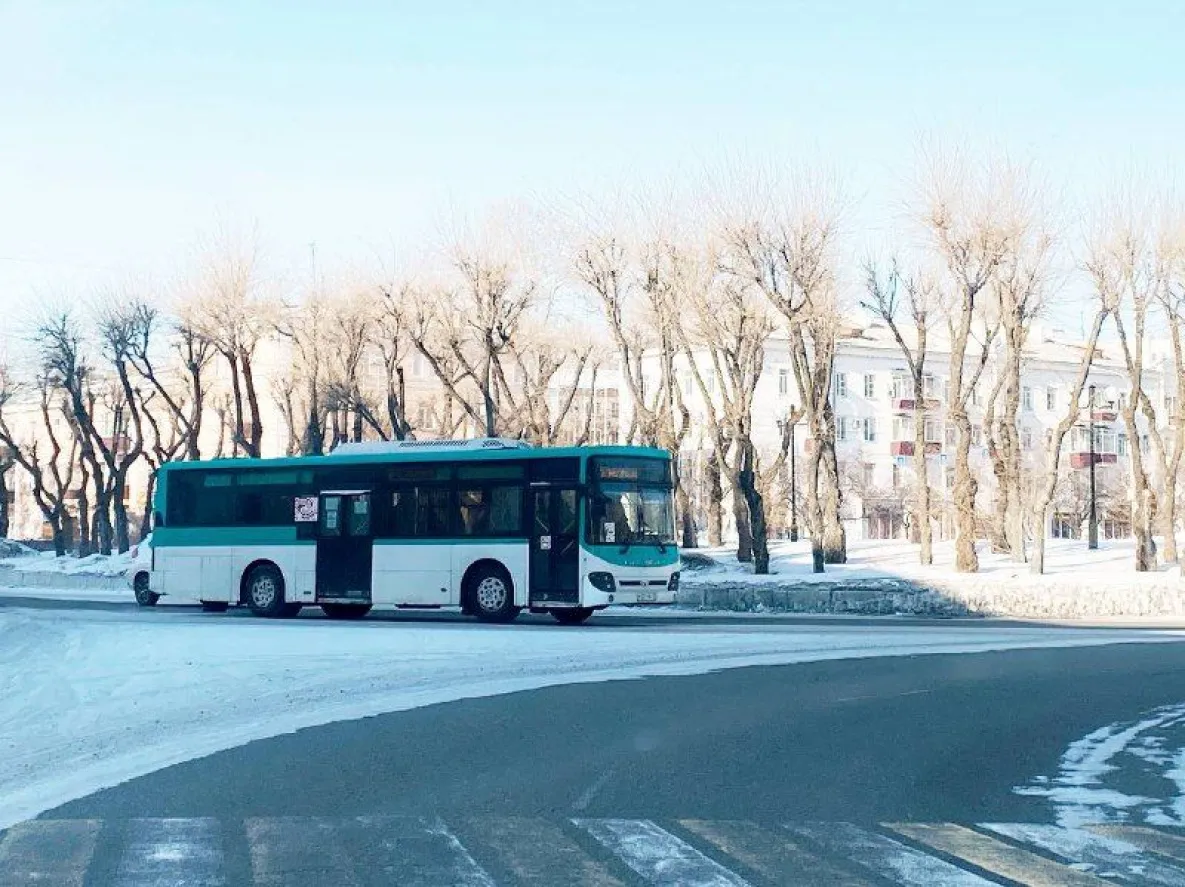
(90, 699)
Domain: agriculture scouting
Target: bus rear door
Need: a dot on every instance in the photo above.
(345, 543)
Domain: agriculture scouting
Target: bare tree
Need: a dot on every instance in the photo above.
(1019, 288)
(789, 255)
(183, 403)
(728, 332)
(885, 302)
(1123, 264)
(52, 472)
(119, 331)
(232, 314)
(1047, 483)
(306, 327)
(970, 217)
(390, 335)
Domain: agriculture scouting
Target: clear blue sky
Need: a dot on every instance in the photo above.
(128, 128)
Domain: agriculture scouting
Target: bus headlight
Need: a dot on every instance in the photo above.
(602, 581)
(673, 582)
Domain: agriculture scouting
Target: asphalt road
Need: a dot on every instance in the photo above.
(714, 779)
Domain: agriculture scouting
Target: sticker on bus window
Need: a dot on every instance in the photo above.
(610, 531)
(305, 508)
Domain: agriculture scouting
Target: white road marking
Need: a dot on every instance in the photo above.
(44, 852)
(1100, 855)
(658, 856)
(885, 857)
(297, 851)
(171, 853)
(413, 851)
(537, 852)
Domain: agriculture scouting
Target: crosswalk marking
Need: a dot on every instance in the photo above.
(657, 855)
(425, 851)
(296, 851)
(171, 853)
(536, 852)
(1106, 857)
(771, 855)
(888, 858)
(1164, 843)
(995, 856)
(44, 852)
(412, 851)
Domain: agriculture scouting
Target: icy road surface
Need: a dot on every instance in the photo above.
(90, 699)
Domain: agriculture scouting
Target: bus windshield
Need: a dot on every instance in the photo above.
(631, 502)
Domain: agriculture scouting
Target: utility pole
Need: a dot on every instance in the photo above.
(1092, 532)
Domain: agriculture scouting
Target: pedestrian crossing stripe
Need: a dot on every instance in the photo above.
(427, 851)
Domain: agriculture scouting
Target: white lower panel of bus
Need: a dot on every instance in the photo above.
(420, 574)
(214, 573)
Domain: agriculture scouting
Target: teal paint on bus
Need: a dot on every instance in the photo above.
(637, 555)
(227, 536)
(455, 540)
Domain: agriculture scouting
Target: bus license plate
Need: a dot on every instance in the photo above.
(646, 597)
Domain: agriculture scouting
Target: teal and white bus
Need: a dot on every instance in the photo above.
(491, 526)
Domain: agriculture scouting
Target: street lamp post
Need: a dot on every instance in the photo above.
(793, 488)
(1092, 531)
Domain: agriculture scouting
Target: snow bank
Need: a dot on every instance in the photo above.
(90, 699)
(884, 577)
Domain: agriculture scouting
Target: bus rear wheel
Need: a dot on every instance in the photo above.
(345, 611)
(265, 592)
(145, 596)
(572, 615)
(491, 595)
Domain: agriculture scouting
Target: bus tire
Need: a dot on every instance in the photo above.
(572, 615)
(145, 596)
(215, 606)
(491, 594)
(345, 611)
(264, 592)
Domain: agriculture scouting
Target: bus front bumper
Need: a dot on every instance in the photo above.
(630, 592)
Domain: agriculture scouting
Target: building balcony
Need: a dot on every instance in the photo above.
(905, 448)
(906, 404)
(1082, 460)
(1106, 414)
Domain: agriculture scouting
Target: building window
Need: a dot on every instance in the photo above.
(1051, 398)
(902, 428)
(1144, 441)
(841, 428)
(896, 476)
(1026, 398)
(841, 384)
(870, 429)
(933, 431)
(950, 478)
(952, 435)
(866, 474)
(1122, 445)
(783, 382)
(900, 386)
(975, 396)
(1026, 439)
(710, 381)
(869, 385)
(977, 435)
(929, 387)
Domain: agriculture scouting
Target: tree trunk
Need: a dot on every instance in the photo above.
(1037, 561)
(834, 539)
(740, 514)
(1168, 500)
(1015, 527)
(149, 495)
(714, 493)
(256, 439)
(686, 518)
(59, 538)
(759, 533)
(921, 499)
(966, 486)
(814, 514)
(4, 507)
(85, 527)
(120, 508)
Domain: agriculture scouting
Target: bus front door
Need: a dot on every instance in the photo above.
(344, 547)
(555, 548)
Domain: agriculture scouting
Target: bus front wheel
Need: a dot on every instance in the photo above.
(491, 595)
(572, 615)
(265, 592)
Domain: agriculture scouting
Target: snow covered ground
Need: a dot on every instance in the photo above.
(89, 699)
(892, 559)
